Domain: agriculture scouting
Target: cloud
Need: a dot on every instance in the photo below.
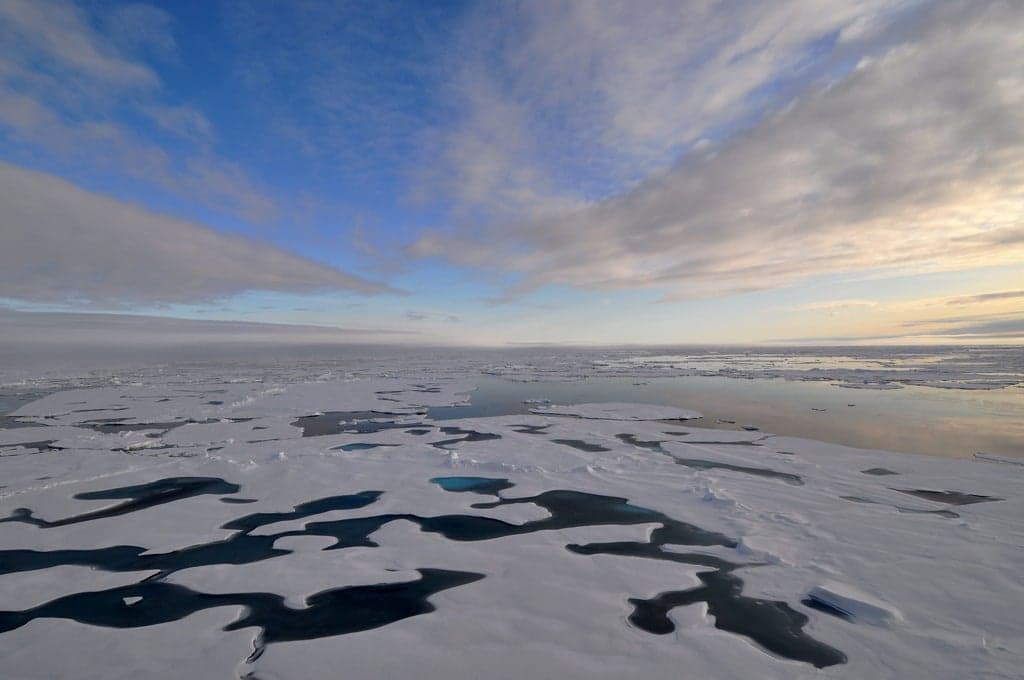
(76, 85)
(138, 28)
(61, 35)
(906, 152)
(986, 297)
(171, 329)
(1004, 324)
(999, 237)
(63, 244)
(957, 320)
(183, 121)
(414, 316)
(971, 327)
(348, 84)
(560, 101)
(1006, 328)
(33, 341)
(836, 305)
(981, 327)
(199, 176)
(977, 330)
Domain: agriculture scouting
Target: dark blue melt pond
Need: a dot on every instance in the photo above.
(358, 447)
(482, 485)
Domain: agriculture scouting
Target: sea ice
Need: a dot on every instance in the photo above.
(539, 545)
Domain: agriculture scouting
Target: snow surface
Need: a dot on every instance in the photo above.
(932, 589)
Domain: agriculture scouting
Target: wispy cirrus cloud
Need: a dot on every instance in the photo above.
(836, 305)
(62, 35)
(346, 84)
(183, 121)
(69, 80)
(414, 316)
(900, 146)
(560, 103)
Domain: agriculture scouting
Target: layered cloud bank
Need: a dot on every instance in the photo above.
(41, 341)
(64, 244)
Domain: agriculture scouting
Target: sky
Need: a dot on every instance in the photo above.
(485, 173)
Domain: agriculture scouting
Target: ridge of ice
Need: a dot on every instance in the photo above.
(859, 607)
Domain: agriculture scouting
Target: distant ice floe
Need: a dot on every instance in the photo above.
(992, 458)
(869, 385)
(865, 368)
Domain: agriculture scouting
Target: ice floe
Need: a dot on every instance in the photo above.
(221, 523)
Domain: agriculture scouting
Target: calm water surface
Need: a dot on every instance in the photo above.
(926, 420)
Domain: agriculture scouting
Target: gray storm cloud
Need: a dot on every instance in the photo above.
(60, 243)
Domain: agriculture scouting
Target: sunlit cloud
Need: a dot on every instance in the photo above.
(836, 305)
(913, 158)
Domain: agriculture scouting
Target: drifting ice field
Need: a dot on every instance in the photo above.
(262, 527)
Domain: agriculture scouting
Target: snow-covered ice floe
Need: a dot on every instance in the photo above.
(274, 529)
